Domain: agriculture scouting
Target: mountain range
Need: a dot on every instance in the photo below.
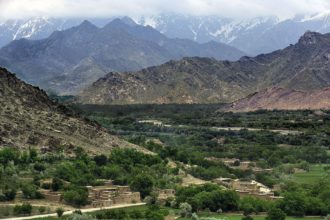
(68, 60)
(252, 35)
(303, 66)
(28, 118)
(37, 28)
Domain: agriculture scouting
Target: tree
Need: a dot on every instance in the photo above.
(100, 160)
(9, 193)
(30, 192)
(304, 165)
(150, 200)
(246, 205)
(153, 215)
(76, 196)
(7, 155)
(142, 183)
(39, 167)
(24, 209)
(251, 204)
(136, 214)
(57, 184)
(59, 212)
(33, 154)
(293, 204)
(185, 209)
(237, 163)
(275, 214)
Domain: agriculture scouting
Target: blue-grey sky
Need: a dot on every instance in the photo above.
(107, 8)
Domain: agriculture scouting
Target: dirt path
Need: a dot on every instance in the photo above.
(161, 124)
(82, 210)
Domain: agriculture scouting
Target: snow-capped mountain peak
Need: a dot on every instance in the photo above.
(253, 35)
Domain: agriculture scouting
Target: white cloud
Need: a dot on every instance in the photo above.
(107, 8)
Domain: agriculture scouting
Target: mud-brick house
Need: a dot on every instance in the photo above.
(107, 195)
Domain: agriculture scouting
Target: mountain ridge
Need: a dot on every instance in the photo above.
(68, 60)
(302, 66)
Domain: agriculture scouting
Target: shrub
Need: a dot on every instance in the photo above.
(24, 209)
(275, 214)
(76, 216)
(42, 209)
(247, 217)
(78, 211)
(59, 212)
(46, 185)
(194, 216)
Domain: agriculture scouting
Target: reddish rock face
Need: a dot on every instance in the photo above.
(282, 99)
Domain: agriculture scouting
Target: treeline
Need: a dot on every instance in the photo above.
(298, 201)
(140, 171)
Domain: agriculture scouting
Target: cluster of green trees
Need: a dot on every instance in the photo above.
(153, 212)
(297, 201)
(12, 162)
(142, 172)
(208, 196)
(302, 199)
(71, 175)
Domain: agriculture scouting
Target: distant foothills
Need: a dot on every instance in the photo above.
(304, 66)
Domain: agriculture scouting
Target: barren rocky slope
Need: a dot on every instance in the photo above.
(28, 118)
(304, 66)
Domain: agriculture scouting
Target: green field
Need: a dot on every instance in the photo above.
(315, 174)
(239, 217)
(218, 217)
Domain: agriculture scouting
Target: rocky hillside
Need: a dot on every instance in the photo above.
(69, 60)
(28, 118)
(191, 80)
(282, 99)
(304, 66)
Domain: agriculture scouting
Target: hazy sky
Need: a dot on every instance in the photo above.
(107, 8)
